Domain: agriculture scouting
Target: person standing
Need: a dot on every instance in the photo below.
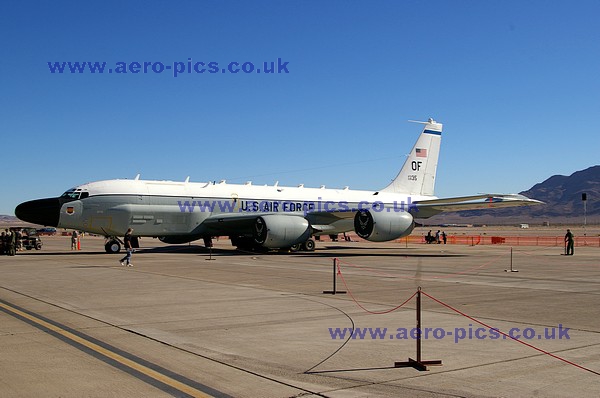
(74, 238)
(18, 240)
(4, 243)
(128, 248)
(12, 243)
(444, 237)
(570, 243)
(7, 239)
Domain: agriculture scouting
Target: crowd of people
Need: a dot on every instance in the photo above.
(14, 239)
(438, 238)
(10, 241)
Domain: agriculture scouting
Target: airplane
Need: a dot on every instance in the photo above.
(260, 217)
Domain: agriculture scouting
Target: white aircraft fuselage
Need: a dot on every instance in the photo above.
(267, 216)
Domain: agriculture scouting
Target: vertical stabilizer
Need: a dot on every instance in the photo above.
(417, 176)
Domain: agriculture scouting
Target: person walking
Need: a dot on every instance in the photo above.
(570, 243)
(127, 241)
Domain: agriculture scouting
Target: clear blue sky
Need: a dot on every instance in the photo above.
(516, 84)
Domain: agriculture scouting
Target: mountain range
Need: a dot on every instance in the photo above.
(561, 194)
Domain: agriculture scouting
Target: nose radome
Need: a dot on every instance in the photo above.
(40, 211)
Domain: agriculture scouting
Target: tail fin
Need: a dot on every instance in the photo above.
(417, 176)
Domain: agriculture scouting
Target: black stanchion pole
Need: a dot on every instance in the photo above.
(334, 274)
(335, 269)
(419, 326)
(511, 262)
(419, 364)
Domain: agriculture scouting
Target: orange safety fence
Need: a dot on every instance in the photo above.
(473, 240)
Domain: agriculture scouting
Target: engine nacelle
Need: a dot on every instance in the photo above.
(277, 231)
(381, 227)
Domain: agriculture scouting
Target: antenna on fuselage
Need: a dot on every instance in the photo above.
(137, 177)
(187, 179)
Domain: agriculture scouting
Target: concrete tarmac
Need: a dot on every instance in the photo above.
(78, 324)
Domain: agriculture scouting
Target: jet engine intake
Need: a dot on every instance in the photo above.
(279, 231)
(381, 227)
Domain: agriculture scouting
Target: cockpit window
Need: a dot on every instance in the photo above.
(75, 194)
(70, 194)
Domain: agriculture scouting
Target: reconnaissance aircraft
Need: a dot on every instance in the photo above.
(265, 217)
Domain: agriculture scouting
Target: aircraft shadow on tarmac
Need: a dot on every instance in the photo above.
(341, 251)
(162, 249)
(322, 252)
(326, 251)
(415, 255)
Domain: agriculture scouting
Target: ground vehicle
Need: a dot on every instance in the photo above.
(29, 238)
(46, 231)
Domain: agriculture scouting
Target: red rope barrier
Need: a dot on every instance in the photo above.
(507, 335)
(339, 271)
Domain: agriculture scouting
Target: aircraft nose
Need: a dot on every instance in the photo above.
(41, 211)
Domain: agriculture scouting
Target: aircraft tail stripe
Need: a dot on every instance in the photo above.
(432, 132)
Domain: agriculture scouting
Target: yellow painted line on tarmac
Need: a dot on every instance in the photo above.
(109, 354)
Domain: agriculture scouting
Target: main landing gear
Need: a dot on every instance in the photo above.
(112, 246)
(248, 243)
(307, 246)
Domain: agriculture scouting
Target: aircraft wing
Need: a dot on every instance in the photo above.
(431, 207)
(324, 221)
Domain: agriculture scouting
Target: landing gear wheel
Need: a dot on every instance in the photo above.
(309, 245)
(112, 246)
(295, 248)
